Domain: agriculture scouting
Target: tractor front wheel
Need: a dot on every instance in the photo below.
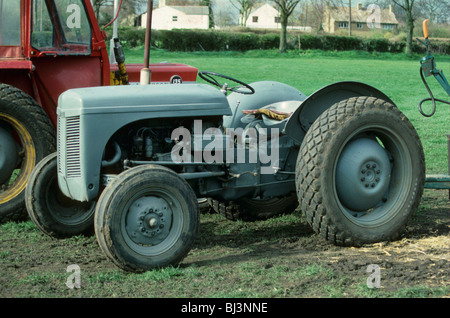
(50, 210)
(148, 217)
(360, 172)
(26, 137)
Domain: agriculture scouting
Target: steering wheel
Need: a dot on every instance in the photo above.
(243, 88)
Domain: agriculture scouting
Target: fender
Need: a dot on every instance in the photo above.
(318, 102)
(266, 93)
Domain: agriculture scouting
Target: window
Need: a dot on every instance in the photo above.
(10, 22)
(277, 20)
(343, 25)
(359, 26)
(62, 28)
(175, 18)
(255, 19)
(388, 26)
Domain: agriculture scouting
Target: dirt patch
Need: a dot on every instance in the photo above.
(275, 258)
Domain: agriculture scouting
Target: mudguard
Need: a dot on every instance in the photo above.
(313, 106)
(88, 117)
(266, 93)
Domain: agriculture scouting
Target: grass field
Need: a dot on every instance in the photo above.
(394, 74)
(278, 258)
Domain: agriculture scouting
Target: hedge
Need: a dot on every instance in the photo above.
(199, 40)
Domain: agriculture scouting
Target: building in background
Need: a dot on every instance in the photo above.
(264, 17)
(178, 17)
(337, 19)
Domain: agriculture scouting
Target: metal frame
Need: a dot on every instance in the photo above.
(428, 68)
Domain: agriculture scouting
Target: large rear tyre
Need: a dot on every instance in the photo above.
(26, 137)
(360, 172)
(148, 217)
(50, 210)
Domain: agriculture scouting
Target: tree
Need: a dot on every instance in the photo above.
(245, 8)
(208, 3)
(408, 6)
(316, 12)
(286, 8)
(437, 11)
(97, 4)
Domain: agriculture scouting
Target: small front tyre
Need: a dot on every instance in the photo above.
(50, 210)
(148, 217)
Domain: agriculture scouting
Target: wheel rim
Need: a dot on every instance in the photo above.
(28, 154)
(383, 197)
(152, 222)
(64, 210)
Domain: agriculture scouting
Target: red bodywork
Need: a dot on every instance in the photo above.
(45, 74)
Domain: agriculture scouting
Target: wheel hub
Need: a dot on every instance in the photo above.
(148, 220)
(9, 156)
(363, 174)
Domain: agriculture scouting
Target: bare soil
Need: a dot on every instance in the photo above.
(420, 258)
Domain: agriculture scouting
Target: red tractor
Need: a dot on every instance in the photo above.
(46, 48)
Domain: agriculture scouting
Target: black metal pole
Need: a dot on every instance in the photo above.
(146, 73)
(148, 34)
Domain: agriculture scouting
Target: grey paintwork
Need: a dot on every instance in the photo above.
(311, 108)
(101, 112)
(104, 110)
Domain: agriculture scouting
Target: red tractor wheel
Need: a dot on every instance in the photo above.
(26, 136)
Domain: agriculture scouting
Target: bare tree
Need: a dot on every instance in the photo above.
(208, 3)
(98, 4)
(407, 6)
(437, 11)
(245, 8)
(317, 11)
(286, 8)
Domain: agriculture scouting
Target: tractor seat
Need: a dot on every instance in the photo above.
(274, 115)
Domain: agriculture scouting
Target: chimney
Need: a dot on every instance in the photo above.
(390, 8)
(359, 6)
(162, 3)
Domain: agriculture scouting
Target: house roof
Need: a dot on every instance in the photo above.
(192, 10)
(362, 15)
(267, 6)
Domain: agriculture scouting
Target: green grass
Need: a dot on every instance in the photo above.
(237, 268)
(231, 258)
(394, 74)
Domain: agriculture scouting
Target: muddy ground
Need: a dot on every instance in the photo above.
(419, 259)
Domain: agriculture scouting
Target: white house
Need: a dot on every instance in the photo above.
(265, 17)
(363, 19)
(178, 17)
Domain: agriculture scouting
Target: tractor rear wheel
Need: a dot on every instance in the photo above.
(148, 217)
(26, 137)
(360, 172)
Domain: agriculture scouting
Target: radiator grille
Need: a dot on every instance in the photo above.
(69, 147)
(60, 146)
